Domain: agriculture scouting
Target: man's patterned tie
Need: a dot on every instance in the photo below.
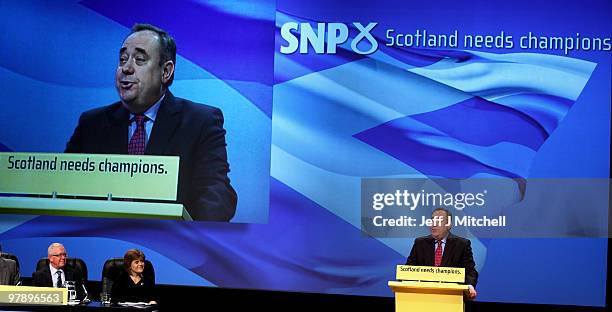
(438, 256)
(137, 142)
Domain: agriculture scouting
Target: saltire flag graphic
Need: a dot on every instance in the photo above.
(516, 102)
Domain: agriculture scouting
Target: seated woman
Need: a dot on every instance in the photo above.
(131, 284)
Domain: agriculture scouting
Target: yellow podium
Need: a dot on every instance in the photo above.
(428, 289)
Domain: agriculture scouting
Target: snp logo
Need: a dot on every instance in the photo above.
(337, 34)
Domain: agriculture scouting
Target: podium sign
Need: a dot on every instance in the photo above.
(90, 175)
(95, 180)
(427, 273)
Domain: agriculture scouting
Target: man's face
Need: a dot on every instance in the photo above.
(57, 257)
(440, 227)
(139, 75)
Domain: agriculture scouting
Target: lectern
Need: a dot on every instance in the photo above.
(429, 289)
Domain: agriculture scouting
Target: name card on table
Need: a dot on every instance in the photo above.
(28, 295)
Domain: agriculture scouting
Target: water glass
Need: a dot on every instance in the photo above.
(71, 286)
(105, 298)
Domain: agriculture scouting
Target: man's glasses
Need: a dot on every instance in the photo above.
(63, 254)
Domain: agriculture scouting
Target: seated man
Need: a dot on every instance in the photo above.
(9, 273)
(57, 272)
(442, 248)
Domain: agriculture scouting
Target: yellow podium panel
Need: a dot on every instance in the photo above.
(428, 296)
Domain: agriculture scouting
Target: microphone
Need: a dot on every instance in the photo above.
(86, 298)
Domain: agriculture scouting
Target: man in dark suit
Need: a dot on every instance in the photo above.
(57, 272)
(9, 273)
(150, 120)
(442, 248)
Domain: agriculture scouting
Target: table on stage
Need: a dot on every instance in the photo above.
(93, 306)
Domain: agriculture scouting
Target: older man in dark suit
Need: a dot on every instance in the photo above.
(442, 248)
(57, 272)
(150, 120)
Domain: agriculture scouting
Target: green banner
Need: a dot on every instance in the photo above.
(96, 175)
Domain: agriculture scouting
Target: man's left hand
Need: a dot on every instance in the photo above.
(472, 292)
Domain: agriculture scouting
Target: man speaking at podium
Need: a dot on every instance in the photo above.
(442, 248)
(150, 120)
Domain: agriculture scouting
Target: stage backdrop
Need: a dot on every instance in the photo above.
(320, 115)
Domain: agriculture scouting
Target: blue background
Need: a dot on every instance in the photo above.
(311, 126)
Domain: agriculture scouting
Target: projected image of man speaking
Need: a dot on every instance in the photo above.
(150, 120)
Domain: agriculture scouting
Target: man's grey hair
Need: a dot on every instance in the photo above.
(53, 246)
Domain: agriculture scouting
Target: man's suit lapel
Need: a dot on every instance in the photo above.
(68, 274)
(167, 121)
(4, 271)
(47, 276)
(448, 249)
(118, 131)
(430, 251)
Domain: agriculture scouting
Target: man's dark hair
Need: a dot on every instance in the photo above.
(448, 213)
(167, 45)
